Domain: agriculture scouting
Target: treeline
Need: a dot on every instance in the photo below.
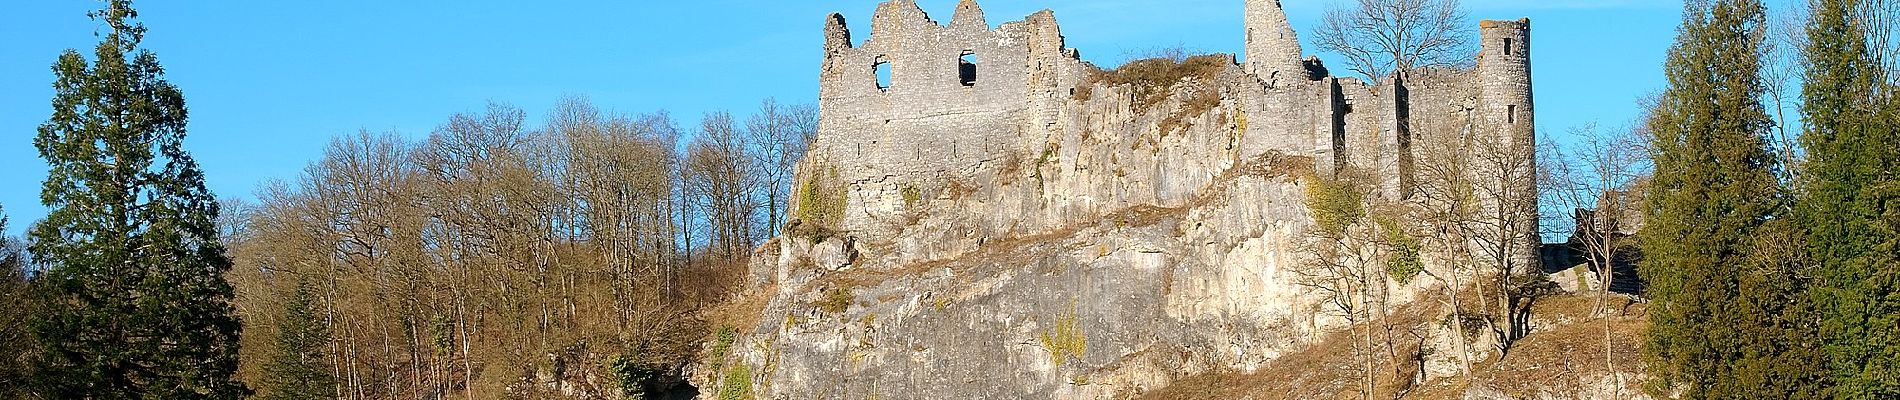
(494, 258)
(490, 259)
(1773, 270)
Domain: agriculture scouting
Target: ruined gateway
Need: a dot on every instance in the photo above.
(992, 223)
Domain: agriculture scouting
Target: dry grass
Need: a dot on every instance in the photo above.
(1154, 80)
(1551, 360)
(1325, 370)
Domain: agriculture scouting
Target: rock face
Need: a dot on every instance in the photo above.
(998, 221)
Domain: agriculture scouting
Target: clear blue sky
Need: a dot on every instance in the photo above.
(269, 83)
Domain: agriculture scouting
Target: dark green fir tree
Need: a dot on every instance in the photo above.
(1851, 206)
(16, 343)
(297, 370)
(135, 301)
(1716, 249)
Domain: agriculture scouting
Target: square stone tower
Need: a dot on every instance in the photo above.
(1273, 49)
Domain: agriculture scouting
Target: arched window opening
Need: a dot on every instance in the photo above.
(966, 68)
(882, 68)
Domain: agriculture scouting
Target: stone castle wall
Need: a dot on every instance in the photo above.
(929, 125)
(931, 120)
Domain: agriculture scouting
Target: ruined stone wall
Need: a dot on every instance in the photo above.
(1273, 48)
(929, 127)
(929, 122)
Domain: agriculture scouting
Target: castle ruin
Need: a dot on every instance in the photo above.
(986, 216)
(953, 97)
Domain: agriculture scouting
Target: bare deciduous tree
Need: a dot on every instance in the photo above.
(1479, 198)
(1360, 248)
(1343, 269)
(1445, 178)
(1786, 35)
(778, 136)
(490, 252)
(1504, 233)
(1382, 37)
(1593, 180)
(722, 175)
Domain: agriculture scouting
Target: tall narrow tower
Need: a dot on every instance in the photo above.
(1273, 50)
(1504, 70)
(1504, 74)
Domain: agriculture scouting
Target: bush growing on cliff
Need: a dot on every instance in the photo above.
(737, 384)
(1335, 204)
(722, 345)
(821, 198)
(631, 375)
(1065, 340)
(1403, 263)
(912, 195)
(1153, 79)
(836, 300)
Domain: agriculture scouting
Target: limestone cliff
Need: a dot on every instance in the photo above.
(1002, 220)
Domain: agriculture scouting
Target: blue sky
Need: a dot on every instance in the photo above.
(269, 83)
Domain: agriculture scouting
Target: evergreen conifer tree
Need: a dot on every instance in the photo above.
(297, 370)
(135, 301)
(1724, 307)
(15, 342)
(1851, 206)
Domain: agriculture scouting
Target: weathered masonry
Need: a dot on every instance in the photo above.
(919, 98)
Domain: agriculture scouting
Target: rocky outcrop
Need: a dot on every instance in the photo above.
(1002, 220)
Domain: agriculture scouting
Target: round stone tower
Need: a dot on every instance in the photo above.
(1504, 74)
(1504, 70)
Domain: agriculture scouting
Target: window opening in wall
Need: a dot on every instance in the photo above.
(882, 68)
(1507, 46)
(966, 68)
(1249, 35)
(1510, 114)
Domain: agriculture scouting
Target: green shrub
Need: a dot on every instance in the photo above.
(821, 198)
(1404, 263)
(1048, 152)
(631, 375)
(738, 383)
(836, 300)
(1065, 341)
(912, 196)
(722, 345)
(1335, 205)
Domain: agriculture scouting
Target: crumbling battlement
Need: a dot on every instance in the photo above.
(963, 99)
(953, 95)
